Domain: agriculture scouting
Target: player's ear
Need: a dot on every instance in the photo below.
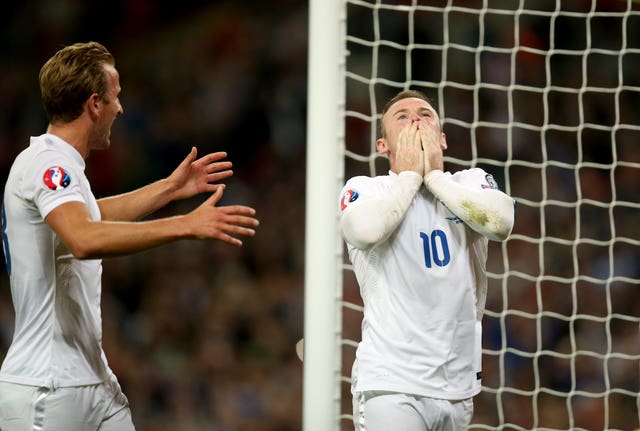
(443, 141)
(381, 145)
(92, 105)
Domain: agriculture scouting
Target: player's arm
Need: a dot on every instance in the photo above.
(188, 179)
(488, 211)
(89, 239)
(368, 222)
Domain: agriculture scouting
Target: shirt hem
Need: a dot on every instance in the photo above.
(437, 394)
(49, 382)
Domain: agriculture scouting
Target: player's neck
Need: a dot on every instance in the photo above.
(73, 134)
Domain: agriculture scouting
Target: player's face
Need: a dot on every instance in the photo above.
(406, 111)
(110, 107)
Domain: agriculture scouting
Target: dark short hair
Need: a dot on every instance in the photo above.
(71, 76)
(404, 94)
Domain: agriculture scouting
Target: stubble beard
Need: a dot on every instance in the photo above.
(99, 139)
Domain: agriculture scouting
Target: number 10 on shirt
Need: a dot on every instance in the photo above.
(436, 248)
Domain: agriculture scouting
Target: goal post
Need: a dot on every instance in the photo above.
(543, 94)
(323, 245)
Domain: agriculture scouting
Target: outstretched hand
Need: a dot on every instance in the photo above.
(225, 223)
(197, 176)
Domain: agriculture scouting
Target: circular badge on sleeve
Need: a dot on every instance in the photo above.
(348, 197)
(56, 178)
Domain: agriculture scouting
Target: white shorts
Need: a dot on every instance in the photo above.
(383, 411)
(81, 408)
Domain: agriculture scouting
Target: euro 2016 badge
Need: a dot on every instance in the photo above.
(56, 178)
(348, 197)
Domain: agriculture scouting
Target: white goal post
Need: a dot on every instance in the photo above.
(323, 247)
(545, 95)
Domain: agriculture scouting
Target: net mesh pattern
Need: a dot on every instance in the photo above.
(544, 95)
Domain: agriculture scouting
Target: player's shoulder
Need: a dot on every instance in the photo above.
(35, 160)
(362, 187)
(469, 172)
(365, 178)
(366, 181)
(42, 148)
(45, 163)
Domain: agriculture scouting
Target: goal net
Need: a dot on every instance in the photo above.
(545, 95)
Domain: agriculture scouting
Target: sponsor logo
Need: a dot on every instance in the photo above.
(56, 178)
(455, 219)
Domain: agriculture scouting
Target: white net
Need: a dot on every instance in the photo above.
(545, 95)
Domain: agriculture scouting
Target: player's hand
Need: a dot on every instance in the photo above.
(409, 151)
(225, 223)
(432, 149)
(197, 176)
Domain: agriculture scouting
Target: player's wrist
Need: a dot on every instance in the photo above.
(183, 228)
(410, 181)
(170, 189)
(412, 178)
(432, 176)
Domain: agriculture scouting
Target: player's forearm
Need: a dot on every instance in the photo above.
(366, 223)
(138, 203)
(487, 211)
(107, 239)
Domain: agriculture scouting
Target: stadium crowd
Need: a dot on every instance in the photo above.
(201, 336)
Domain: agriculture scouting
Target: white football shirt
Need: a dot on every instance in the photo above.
(57, 339)
(424, 291)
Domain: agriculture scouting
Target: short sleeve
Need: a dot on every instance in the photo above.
(51, 181)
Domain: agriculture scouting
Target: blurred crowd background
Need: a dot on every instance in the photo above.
(201, 335)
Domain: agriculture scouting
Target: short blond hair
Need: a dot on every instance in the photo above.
(71, 76)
